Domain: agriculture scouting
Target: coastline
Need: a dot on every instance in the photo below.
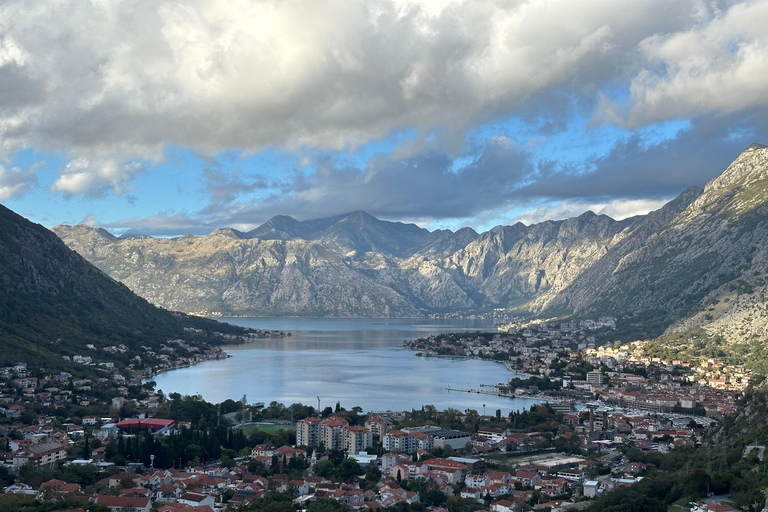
(217, 353)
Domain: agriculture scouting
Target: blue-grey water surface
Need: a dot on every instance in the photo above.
(358, 362)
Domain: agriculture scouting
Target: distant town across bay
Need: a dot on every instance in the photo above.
(357, 362)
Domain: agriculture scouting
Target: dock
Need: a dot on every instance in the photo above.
(542, 397)
(481, 392)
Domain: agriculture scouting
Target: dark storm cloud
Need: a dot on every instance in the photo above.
(639, 169)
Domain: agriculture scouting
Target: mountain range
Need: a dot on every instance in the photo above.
(698, 263)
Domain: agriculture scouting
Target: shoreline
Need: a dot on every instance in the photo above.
(221, 353)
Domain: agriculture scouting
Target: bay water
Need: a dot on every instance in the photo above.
(356, 362)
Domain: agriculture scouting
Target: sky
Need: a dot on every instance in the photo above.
(183, 116)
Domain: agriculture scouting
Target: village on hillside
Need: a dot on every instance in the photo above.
(606, 417)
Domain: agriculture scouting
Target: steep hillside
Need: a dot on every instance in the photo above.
(706, 270)
(53, 303)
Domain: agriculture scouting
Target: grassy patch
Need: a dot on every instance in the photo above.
(269, 428)
(679, 506)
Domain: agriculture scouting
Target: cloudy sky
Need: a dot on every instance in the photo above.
(182, 116)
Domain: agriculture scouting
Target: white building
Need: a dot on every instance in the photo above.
(308, 432)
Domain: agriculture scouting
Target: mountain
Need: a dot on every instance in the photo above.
(357, 265)
(53, 303)
(705, 272)
(697, 263)
(351, 265)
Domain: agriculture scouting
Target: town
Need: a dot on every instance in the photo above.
(608, 416)
(564, 363)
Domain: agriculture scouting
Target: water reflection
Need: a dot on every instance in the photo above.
(352, 361)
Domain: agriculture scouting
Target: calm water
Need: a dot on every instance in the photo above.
(358, 362)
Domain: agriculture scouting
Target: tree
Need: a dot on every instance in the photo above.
(324, 468)
(336, 456)
(349, 469)
(127, 483)
(325, 505)
(86, 447)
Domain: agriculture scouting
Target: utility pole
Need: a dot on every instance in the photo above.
(318, 407)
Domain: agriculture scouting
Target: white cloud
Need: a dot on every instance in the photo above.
(118, 78)
(717, 67)
(16, 182)
(96, 178)
(113, 81)
(618, 209)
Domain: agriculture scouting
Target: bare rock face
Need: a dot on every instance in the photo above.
(352, 265)
(705, 268)
(680, 262)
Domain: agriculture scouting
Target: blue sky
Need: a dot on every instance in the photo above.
(167, 118)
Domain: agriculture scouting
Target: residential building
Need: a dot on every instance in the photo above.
(308, 432)
(356, 439)
(332, 434)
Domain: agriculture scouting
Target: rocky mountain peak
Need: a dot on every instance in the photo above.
(742, 187)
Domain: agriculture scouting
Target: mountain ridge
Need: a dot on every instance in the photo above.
(422, 272)
(662, 264)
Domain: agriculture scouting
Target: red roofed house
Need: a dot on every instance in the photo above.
(503, 506)
(121, 502)
(154, 425)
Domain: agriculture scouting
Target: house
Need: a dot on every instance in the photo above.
(388, 461)
(495, 490)
(173, 507)
(575, 475)
(43, 454)
(21, 488)
(499, 477)
(154, 425)
(494, 435)
(289, 452)
(503, 506)
(591, 488)
(554, 486)
(477, 481)
(300, 487)
(59, 486)
(197, 499)
(529, 478)
(470, 493)
(117, 503)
